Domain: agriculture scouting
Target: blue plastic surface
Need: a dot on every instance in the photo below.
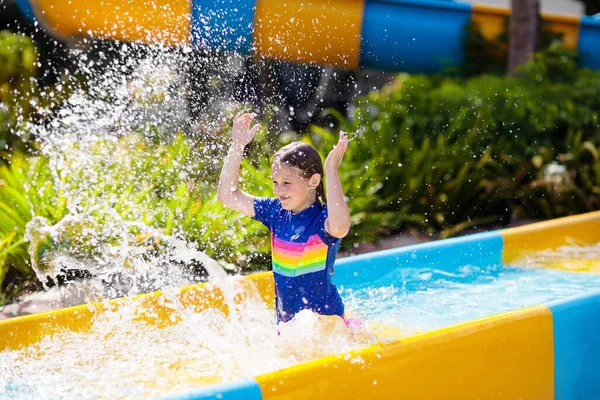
(26, 9)
(482, 249)
(589, 42)
(238, 390)
(577, 347)
(413, 36)
(224, 25)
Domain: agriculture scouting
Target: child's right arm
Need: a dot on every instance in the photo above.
(228, 193)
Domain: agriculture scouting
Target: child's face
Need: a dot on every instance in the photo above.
(292, 189)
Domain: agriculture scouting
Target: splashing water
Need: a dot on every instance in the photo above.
(567, 258)
(124, 357)
(124, 354)
(423, 299)
(124, 258)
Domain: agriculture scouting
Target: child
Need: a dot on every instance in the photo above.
(305, 233)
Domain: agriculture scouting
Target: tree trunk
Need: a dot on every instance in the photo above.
(524, 32)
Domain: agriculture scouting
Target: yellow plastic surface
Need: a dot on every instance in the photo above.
(506, 356)
(575, 265)
(318, 31)
(152, 308)
(568, 26)
(581, 229)
(492, 21)
(148, 21)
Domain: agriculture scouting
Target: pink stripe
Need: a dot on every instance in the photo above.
(289, 246)
(296, 253)
(313, 241)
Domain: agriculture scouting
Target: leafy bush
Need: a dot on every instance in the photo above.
(442, 154)
(18, 58)
(165, 186)
(484, 56)
(23, 99)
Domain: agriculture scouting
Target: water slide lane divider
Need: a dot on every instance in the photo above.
(480, 249)
(492, 357)
(153, 308)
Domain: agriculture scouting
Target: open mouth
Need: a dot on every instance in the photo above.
(283, 198)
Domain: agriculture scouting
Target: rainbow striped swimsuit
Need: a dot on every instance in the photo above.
(303, 256)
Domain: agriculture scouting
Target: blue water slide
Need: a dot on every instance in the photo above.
(413, 35)
(229, 29)
(589, 41)
(26, 9)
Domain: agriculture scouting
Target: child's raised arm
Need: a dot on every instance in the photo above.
(337, 223)
(228, 193)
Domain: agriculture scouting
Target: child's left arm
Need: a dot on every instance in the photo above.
(337, 223)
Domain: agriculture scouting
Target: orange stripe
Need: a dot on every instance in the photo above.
(166, 21)
(319, 31)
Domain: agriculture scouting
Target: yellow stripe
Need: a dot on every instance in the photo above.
(591, 265)
(298, 265)
(576, 230)
(147, 21)
(568, 26)
(492, 20)
(153, 308)
(321, 259)
(306, 257)
(485, 359)
(320, 31)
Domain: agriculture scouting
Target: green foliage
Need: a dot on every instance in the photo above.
(485, 56)
(22, 99)
(442, 154)
(18, 58)
(26, 189)
(162, 185)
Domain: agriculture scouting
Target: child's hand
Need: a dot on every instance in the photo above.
(242, 133)
(334, 159)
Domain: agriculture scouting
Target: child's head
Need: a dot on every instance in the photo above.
(298, 175)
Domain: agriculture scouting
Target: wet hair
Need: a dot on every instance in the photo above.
(305, 158)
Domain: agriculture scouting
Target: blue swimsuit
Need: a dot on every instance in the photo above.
(303, 256)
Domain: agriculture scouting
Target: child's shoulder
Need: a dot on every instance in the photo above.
(267, 203)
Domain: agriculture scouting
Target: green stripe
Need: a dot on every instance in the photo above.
(300, 265)
(299, 268)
